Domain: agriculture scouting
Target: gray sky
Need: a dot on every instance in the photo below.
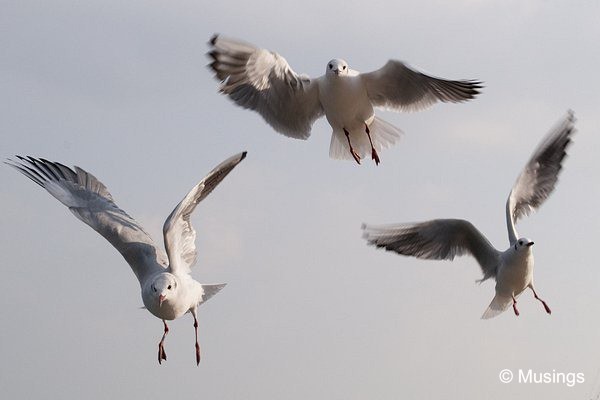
(121, 89)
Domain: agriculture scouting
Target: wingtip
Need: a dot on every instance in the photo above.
(15, 163)
(365, 235)
(244, 153)
(478, 87)
(213, 39)
(9, 160)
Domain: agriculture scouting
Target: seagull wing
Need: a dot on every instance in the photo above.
(438, 239)
(264, 82)
(539, 177)
(179, 234)
(398, 87)
(91, 202)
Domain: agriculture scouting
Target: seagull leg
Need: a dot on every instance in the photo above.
(197, 345)
(162, 355)
(374, 154)
(354, 154)
(515, 306)
(543, 302)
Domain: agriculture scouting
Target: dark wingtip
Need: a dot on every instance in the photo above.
(212, 54)
(213, 66)
(213, 39)
(11, 160)
(243, 155)
(12, 163)
(476, 86)
(27, 159)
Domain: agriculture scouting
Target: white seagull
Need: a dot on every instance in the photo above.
(443, 239)
(263, 81)
(168, 290)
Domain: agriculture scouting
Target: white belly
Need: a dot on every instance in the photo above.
(346, 103)
(514, 276)
(167, 310)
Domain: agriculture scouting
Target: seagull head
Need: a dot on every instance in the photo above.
(164, 287)
(337, 67)
(523, 244)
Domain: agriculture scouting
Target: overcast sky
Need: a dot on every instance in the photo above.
(120, 89)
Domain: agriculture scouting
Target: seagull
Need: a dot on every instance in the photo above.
(168, 290)
(443, 239)
(263, 81)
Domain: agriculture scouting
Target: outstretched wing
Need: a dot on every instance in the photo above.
(264, 82)
(398, 87)
(539, 177)
(179, 234)
(438, 239)
(91, 202)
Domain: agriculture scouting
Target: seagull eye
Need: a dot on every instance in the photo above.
(330, 66)
(169, 287)
(344, 67)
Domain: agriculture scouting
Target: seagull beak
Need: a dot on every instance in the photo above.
(161, 298)
(529, 244)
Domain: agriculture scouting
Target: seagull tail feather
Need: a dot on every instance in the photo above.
(211, 290)
(498, 305)
(383, 134)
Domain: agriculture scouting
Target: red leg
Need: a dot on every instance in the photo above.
(515, 306)
(197, 345)
(374, 154)
(543, 302)
(354, 154)
(162, 355)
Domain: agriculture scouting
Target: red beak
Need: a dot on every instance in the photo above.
(161, 298)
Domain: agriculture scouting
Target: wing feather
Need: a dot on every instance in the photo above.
(398, 87)
(263, 81)
(539, 177)
(439, 239)
(179, 234)
(89, 200)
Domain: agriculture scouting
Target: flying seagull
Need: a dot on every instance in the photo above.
(168, 290)
(263, 81)
(443, 239)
